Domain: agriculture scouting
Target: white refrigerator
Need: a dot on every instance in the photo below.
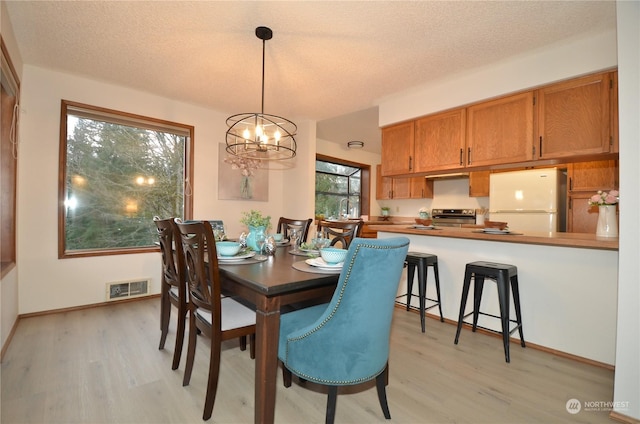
(532, 200)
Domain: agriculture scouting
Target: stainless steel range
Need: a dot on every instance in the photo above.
(453, 217)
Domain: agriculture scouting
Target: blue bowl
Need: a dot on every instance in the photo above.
(227, 248)
(333, 255)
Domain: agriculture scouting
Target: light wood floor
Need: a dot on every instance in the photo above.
(102, 365)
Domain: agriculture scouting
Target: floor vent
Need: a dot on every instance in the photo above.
(125, 289)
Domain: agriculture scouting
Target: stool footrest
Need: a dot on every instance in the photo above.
(489, 329)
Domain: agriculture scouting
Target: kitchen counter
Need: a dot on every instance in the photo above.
(579, 240)
(568, 285)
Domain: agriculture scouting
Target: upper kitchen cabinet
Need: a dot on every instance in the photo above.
(575, 117)
(500, 131)
(440, 141)
(402, 187)
(398, 149)
(593, 176)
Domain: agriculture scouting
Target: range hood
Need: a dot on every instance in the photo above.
(447, 176)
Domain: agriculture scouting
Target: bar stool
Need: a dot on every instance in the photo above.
(422, 261)
(502, 274)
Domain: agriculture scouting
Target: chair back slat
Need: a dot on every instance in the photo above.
(172, 258)
(284, 224)
(201, 262)
(342, 232)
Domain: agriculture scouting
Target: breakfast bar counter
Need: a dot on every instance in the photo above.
(579, 240)
(568, 285)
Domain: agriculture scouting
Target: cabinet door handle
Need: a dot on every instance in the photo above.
(469, 156)
(461, 163)
(540, 150)
(410, 163)
(570, 183)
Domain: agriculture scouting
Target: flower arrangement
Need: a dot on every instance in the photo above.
(246, 166)
(603, 198)
(254, 218)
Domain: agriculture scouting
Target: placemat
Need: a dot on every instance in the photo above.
(247, 261)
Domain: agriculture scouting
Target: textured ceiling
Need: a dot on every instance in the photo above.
(326, 59)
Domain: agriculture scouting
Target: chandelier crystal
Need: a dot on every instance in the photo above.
(258, 135)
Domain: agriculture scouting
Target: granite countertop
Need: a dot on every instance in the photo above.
(579, 240)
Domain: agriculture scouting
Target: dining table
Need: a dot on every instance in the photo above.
(273, 285)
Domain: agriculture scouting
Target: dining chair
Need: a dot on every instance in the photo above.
(173, 285)
(217, 317)
(342, 343)
(284, 223)
(341, 231)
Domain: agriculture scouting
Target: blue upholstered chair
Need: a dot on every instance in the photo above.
(346, 341)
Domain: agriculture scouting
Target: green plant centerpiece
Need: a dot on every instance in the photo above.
(384, 210)
(257, 225)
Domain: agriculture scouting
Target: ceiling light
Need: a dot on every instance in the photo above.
(355, 144)
(258, 135)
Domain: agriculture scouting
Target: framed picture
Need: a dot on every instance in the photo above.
(240, 178)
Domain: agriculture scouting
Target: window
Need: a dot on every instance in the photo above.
(118, 171)
(342, 188)
(9, 97)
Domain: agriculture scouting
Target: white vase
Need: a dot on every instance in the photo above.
(607, 222)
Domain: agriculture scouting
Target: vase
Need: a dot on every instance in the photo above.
(251, 237)
(424, 215)
(607, 221)
(245, 187)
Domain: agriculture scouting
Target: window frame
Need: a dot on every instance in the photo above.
(11, 86)
(365, 180)
(125, 118)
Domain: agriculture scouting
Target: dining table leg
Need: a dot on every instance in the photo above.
(267, 334)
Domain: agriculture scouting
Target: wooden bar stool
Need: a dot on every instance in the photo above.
(504, 275)
(422, 261)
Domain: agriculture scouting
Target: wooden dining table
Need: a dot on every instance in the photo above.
(271, 285)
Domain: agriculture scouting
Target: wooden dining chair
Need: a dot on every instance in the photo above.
(342, 343)
(217, 317)
(341, 231)
(284, 223)
(173, 285)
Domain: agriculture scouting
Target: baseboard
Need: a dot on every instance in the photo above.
(7, 342)
(92, 305)
(616, 416)
(514, 340)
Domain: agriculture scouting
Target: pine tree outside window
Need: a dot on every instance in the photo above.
(118, 171)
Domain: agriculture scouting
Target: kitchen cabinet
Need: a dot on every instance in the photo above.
(398, 149)
(479, 184)
(440, 141)
(584, 180)
(582, 218)
(500, 131)
(402, 188)
(575, 117)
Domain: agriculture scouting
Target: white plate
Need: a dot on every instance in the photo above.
(237, 257)
(282, 243)
(320, 263)
(317, 252)
(495, 231)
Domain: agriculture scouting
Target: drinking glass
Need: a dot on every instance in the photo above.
(261, 239)
(294, 236)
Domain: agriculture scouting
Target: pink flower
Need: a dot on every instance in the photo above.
(604, 198)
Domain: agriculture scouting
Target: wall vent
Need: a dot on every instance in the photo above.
(127, 289)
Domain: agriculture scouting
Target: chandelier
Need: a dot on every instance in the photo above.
(258, 135)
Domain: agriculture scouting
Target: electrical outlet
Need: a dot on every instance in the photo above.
(397, 208)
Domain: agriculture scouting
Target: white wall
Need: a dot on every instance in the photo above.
(558, 62)
(47, 282)
(627, 381)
